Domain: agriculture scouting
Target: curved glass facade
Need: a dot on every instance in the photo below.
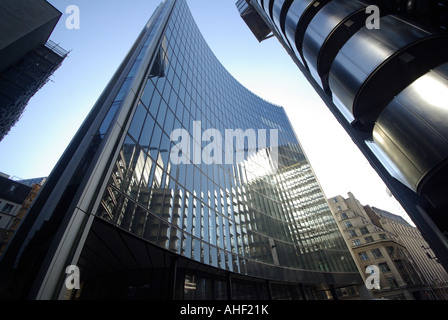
(189, 183)
(249, 217)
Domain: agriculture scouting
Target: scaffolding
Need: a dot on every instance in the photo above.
(21, 81)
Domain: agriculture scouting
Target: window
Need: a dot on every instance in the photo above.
(384, 267)
(348, 224)
(344, 215)
(356, 242)
(364, 230)
(390, 249)
(377, 253)
(368, 239)
(352, 233)
(335, 200)
(382, 236)
(408, 280)
(339, 208)
(7, 208)
(399, 264)
(392, 282)
(363, 256)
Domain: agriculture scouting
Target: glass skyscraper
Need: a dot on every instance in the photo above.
(180, 184)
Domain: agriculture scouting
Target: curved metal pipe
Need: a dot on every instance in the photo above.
(375, 65)
(413, 130)
(327, 32)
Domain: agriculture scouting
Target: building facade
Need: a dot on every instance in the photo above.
(16, 198)
(13, 195)
(434, 276)
(149, 200)
(384, 241)
(27, 57)
(381, 69)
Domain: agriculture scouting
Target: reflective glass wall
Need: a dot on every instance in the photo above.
(179, 178)
(251, 216)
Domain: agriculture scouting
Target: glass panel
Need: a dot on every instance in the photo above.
(137, 122)
(146, 133)
(124, 89)
(225, 215)
(109, 117)
(155, 102)
(147, 93)
(155, 141)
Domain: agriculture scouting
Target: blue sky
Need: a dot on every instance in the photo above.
(107, 31)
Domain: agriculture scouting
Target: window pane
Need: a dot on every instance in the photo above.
(364, 230)
(137, 121)
(377, 253)
(147, 93)
(146, 132)
(363, 256)
(155, 102)
(155, 141)
(109, 117)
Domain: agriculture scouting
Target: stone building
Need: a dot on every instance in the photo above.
(385, 245)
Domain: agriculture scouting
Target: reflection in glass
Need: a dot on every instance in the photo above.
(251, 217)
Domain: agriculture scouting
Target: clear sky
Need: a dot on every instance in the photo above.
(107, 31)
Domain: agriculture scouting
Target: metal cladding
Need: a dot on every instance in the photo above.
(412, 130)
(297, 19)
(253, 20)
(375, 65)
(327, 32)
(386, 80)
(27, 57)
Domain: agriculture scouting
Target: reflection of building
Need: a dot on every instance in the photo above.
(380, 238)
(27, 57)
(15, 199)
(141, 226)
(386, 86)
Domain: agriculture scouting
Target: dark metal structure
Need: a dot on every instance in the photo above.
(380, 67)
(27, 57)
